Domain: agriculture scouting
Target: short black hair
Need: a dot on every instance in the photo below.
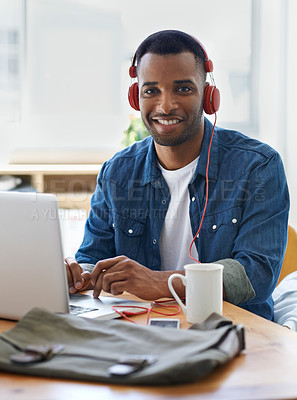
(171, 42)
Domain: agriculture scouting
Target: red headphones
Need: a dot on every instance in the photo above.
(211, 102)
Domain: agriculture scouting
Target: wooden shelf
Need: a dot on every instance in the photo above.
(73, 184)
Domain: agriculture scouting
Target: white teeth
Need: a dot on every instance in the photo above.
(170, 122)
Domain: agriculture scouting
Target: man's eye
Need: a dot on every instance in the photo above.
(184, 89)
(150, 91)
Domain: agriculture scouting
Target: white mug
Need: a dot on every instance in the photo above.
(204, 290)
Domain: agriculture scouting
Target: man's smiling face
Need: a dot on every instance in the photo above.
(171, 89)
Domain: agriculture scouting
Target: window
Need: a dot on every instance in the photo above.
(10, 56)
(70, 67)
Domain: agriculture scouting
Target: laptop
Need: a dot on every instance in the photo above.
(32, 271)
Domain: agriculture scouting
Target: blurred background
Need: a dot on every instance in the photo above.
(64, 73)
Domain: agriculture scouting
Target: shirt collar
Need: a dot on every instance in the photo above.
(152, 172)
(213, 168)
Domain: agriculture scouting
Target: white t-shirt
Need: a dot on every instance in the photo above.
(176, 234)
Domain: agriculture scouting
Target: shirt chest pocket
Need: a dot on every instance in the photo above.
(227, 221)
(218, 234)
(128, 234)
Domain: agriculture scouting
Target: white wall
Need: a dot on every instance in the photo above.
(291, 107)
(49, 120)
(278, 85)
(76, 79)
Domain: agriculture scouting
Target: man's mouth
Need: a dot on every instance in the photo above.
(168, 122)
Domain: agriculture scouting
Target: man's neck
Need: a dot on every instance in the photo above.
(176, 157)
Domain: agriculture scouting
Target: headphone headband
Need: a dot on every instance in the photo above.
(208, 65)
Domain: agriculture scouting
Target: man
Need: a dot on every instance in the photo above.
(150, 197)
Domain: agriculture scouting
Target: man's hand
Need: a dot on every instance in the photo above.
(119, 274)
(78, 279)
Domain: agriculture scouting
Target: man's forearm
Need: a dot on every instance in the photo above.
(237, 286)
(177, 284)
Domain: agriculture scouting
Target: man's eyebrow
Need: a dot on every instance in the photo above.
(149, 83)
(184, 81)
(177, 82)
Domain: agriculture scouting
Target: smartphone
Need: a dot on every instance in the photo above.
(165, 322)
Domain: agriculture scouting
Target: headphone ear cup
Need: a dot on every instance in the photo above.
(211, 102)
(133, 96)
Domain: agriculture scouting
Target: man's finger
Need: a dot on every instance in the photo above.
(99, 268)
(97, 284)
(86, 277)
(103, 265)
(75, 280)
(69, 278)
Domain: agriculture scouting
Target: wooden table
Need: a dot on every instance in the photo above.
(267, 369)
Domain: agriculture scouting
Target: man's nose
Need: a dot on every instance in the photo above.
(167, 103)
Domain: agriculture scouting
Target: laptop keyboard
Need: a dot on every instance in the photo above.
(76, 310)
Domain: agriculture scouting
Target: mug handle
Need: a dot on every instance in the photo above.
(174, 294)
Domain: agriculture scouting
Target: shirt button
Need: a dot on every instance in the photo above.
(113, 224)
(164, 201)
(234, 220)
(154, 241)
(193, 198)
(214, 227)
(130, 231)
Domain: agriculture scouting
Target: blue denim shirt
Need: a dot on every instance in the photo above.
(245, 225)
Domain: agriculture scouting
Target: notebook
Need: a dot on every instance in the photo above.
(32, 272)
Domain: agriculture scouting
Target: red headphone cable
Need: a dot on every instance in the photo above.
(143, 310)
(206, 197)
